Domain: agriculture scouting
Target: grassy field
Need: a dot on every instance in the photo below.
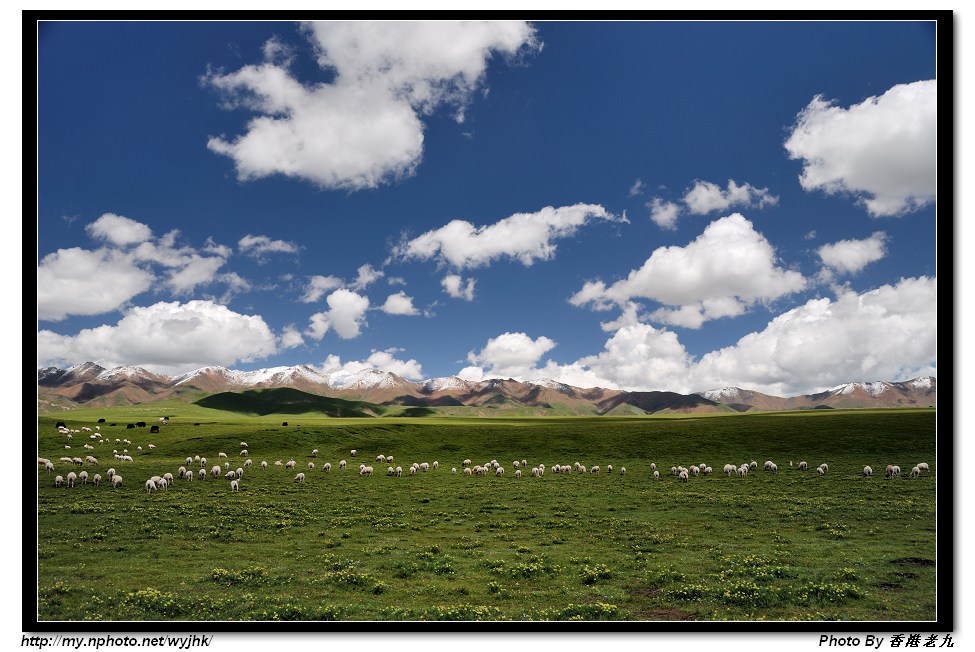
(442, 546)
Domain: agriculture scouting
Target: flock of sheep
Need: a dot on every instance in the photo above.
(189, 472)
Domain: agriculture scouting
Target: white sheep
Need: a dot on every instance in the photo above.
(168, 477)
(300, 477)
(802, 466)
(49, 466)
(536, 472)
(820, 470)
(915, 472)
(96, 479)
(189, 461)
(381, 458)
(263, 465)
(425, 467)
(71, 478)
(231, 475)
(752, 465)
(389, 458)
(824, 466)
(695, 469)
(116, 481)
(196, 458)
(453, 469)
(742, 470)
(326, 467)
(923, 466)
(163, 484)
(594, 470)
(151, 446)
(517, 473)
(467, 470)
(240, 472)
(243, 444)
(58, 481)
(311, 466)
(399, 471)
(352, 452)
(498, 472)
(226, 465)
(83, 476)
(189, 476)
(278, 463)
(342, 464)
(150, 486)
(436, 464)
(609, 468)
(622, 470)
(215, 471)
(773, 468)
(235, 485)
(729, 469)
(683, 476)
(202, 474)
(248, 463)
(290, 464)
(243, 452)
(390, 470)
(466, 463)
(221, 455)
(768, 465)
(867, 471)
(366, 470)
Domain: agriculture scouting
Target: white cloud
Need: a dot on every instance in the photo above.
(850, 256)
(636, 188)
(363, 128)
(366, 276)
(513, 355)
(727, 269)
(258, 245)
(706, 197)
(383, 360)
(291, 337)
(889, 333)
(318, 286)
(73, 282)
(881, 150)
(318, 325)
(196, 270)
(526, 237)
(454, 286)
(236, 284)
(663, 213)
(347, 312)
(167, 338)
(118, 230)
(399, 304)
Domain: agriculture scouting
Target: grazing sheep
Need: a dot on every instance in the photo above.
(594, 470)
(83, 476)
(163, 484)
(656, 475)
(311, 466)
(516, 464)
(202, 460)
(215, 471)
(399, 471)
(168, 477)
(742, 470)
(435, 464)
(342, 464)
(622, 470)
(263, 465)
(235, 485)
(453, 469)
(300, 477)
(683, 476)
(327, 466)
(290, 464)
(71, 478)
(867, 472)
(366, 470)
(116, 481)
(96, 479)
(150, 486)
(414, 469)
(673, 470)
(231, 475)
(314, 452)
(110, 473)
(695, 469)
(767, 466)
(824, 466)
(498, 472)
(915, 472)
(802, 466)
(240, 472)
(773, 468)
(820, 470)
(467, 470)
(390, 470)
(923, 466)
(182, 471)
(221, 455)
(49, 466)
(202, 474)
(536, 472)
(352, 452)
(729, 469)
(518, 473)
(58, 481)
(466, 463)
(226, 465)
(381, 458)
(278, 463)
(189, 476)
(243, 444)
(189, 461)
(243, 453)
(248, 463)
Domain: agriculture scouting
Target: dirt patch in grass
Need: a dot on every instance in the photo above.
(889, 586)
(913, 561)
(644, 592)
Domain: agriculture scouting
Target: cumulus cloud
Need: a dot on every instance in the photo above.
(72, 282)
(366, 275)
(454, 286)
(850, 256)
(364, 127)
(636, 188)
(511, 355)
(525, 237)
(167, 338)
(663, 213)
(291, 337)
(257, 246)
(346, 315)
(118, 230)
(318, 286)
(399, 304)
(881, 150)
(723, 272)
(889, 333)
(384, 360)
(706, 197)
(196, 270)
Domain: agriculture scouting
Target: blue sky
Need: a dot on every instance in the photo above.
(644, 205)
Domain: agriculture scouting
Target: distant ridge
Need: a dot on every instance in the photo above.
(89, 385)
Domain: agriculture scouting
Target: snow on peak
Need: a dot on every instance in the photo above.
(444, 384)
(721, 393)
(872, 388)
(551, 384)
(124, 372)
(925, 382)
(364, 379)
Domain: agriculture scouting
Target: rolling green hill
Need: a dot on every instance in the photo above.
(284, 400)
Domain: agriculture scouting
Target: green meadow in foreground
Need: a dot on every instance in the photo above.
(442, 546)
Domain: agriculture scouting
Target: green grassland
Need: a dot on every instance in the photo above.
(442, 546)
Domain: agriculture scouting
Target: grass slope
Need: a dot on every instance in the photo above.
(443, 546)
(285, 400)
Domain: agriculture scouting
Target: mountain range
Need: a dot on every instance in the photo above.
(89, 385)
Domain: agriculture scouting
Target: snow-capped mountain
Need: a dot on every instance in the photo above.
(90, 385)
